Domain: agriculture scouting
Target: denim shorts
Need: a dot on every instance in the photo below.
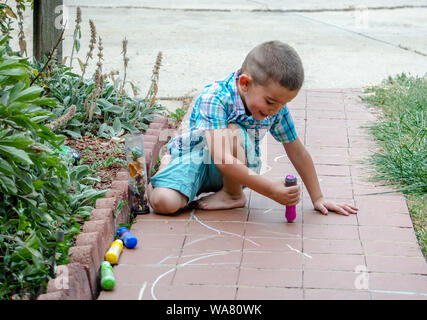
(192, 171)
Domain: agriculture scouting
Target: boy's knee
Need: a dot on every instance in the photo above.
(166, 201)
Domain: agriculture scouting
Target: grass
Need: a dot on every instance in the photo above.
(401, 135)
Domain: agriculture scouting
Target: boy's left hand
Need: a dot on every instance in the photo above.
(323, 205)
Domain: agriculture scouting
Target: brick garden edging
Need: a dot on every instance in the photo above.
(79, 279)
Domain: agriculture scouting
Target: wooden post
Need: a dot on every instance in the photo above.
(47, 27)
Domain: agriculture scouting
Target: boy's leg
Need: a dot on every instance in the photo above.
(231, 195)
(165, 200)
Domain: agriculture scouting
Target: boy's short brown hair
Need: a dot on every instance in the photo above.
(275, 61)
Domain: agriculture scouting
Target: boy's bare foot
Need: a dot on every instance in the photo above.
(221, 200)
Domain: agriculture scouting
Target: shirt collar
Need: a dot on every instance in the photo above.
(240, 107)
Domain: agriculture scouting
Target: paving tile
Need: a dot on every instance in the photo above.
(329, 181)
(381, 204)
(141, 255)
(282, 230)
(270, 278)
(273, 215)
(276, 160)
(357, 123)
(134, 274)
(311, 216)
(362, 187)
(384, 219)
(397, 296)
(330, 131)
(327, 151)
(121, 292)
(218, 258)
(271, 155)
(332, 246)
(181, 215)
(298, 113)
(263, 293)
(321, 294)
(272, 260)
(396, 264)
(359, 115)
(213, 241)
(215, 227)
(359, 132)
(362, 155)
(329, 279)
(162, 241)
(332, 106)
(164, 227)
(404, 283)
(361, 141)
(335, 152)
(354, 107)
(206, 275)
(272, 244)
(392, 248)
(333, 262)
(387, 233)
(275, 164)
(357, 171)
(313, 139)
(312, 124)
(249, 253)
(238, 214)
(336, 232)
(124, 291)
(325, 114)
(332, 170)
(201, 292)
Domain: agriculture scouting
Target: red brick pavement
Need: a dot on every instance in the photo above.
(252, 253)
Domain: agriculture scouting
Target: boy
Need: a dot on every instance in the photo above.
(220, 152)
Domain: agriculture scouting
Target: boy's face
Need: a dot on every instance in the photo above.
(263, 101)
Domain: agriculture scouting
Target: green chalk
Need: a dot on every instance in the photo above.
(107, 276)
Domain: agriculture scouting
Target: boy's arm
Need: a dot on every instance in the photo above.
(221, 151)
(304, 165)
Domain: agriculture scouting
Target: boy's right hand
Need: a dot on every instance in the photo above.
(288, 196)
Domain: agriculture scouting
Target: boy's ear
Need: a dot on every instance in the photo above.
(244, 81)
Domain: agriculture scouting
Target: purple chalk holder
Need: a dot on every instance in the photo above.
(291, 212)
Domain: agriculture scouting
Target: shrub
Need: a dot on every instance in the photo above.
(34, 181)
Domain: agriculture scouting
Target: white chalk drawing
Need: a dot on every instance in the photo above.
(141, 292)
(297, 251)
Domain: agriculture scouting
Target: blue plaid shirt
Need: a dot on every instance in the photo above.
(220, 104)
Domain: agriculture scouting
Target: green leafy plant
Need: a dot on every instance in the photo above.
(41, 193)
(177, 116)
(33, 181)
(114, 113)
(103, 107)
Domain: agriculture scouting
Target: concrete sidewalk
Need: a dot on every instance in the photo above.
(343, 44)
(252, 253)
